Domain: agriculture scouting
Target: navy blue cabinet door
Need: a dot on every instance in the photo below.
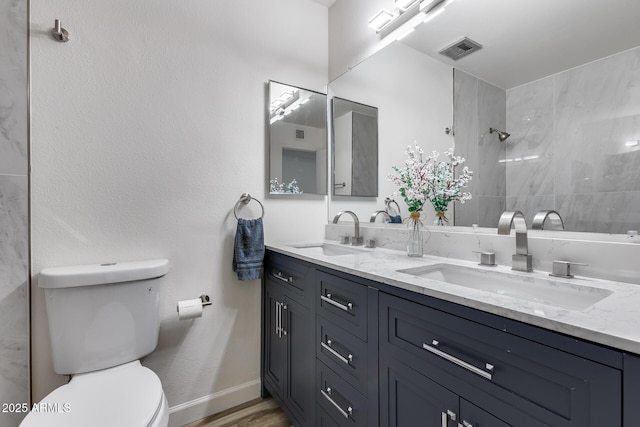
(289, 353)
(408, 399)
(299, 388)
(472, 416)
(275, 345)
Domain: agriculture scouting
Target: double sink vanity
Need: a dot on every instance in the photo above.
(354, 336)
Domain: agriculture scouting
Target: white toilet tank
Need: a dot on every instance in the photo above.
(102, 315)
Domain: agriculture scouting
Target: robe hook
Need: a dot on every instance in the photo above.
(58, 33)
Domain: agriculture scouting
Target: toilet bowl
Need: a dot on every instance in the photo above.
(102, 319)
(128, 395)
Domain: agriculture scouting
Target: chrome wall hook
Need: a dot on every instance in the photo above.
(58, 33)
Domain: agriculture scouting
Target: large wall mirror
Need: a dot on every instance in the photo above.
(297, 140)
(354, 148)
(562, 84)
(412, 96)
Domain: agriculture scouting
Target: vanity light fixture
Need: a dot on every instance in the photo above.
(287, 103)
(405, 4)
(408, 14)
(406, 33)
(381, 19)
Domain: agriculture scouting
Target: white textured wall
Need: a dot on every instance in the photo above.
(146, 128)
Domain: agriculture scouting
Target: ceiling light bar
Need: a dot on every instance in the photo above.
(405, 33)
(381, 19)
(405, 4)
(408, 15)
(430, 16)
(428, 5)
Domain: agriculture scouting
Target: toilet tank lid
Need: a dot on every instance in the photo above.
(100, 274)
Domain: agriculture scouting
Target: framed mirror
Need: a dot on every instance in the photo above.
(354, 148)
(297, 140)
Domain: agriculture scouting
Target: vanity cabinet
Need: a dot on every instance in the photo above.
(408, 398)
(346, 351)
(288, 346)
(340, 350)
(518, 381)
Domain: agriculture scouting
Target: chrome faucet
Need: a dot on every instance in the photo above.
(554, 218)
(521, 260)
(356, 240)
(376, 213)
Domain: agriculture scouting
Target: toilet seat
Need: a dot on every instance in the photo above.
(126, 395)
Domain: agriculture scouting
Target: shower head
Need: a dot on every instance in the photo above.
(502, 136)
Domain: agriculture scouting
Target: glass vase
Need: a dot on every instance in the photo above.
(414, 243)
(441, 218)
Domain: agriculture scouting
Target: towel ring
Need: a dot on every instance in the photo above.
(387, 203)
(246, 198)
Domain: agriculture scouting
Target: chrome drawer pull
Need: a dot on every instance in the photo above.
(328, 299)
(283, 306)
(278, 319)
(280, 276)
(462, 363)
(446, 416)
(327, 395)
(465, 424)
(343, 359)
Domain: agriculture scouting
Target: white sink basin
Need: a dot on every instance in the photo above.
(327, 249)
(551, 292)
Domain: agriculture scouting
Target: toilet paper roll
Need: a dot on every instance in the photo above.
(189, 309)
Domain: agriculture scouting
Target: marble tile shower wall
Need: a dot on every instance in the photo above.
(572, 136)
(479, 106)
(14, 281)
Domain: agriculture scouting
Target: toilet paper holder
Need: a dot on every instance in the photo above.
(205, 300)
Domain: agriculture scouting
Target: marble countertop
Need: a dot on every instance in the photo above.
(613, 321)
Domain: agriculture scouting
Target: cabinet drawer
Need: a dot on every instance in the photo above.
(341, 401)
(343, 302)
(557, 388)
(295, 276)
(344, 353)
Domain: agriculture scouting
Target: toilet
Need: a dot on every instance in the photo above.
(102, 319)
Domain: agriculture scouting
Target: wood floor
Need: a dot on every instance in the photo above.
(256, 413)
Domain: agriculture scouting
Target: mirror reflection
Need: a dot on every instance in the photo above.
(412, 94)
(297, 140)
(568, 99)
(355, 148)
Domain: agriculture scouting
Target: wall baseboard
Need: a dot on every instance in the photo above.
(202, 407)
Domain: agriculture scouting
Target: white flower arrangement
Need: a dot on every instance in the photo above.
(291, 188)
(427, 179)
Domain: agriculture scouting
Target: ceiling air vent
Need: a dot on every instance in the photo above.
(461, 48)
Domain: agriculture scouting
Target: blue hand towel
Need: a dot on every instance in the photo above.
(396, 219)
(248, 250)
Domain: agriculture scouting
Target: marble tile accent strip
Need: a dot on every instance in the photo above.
(14, 294)
(479, 106)
(13, 87)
